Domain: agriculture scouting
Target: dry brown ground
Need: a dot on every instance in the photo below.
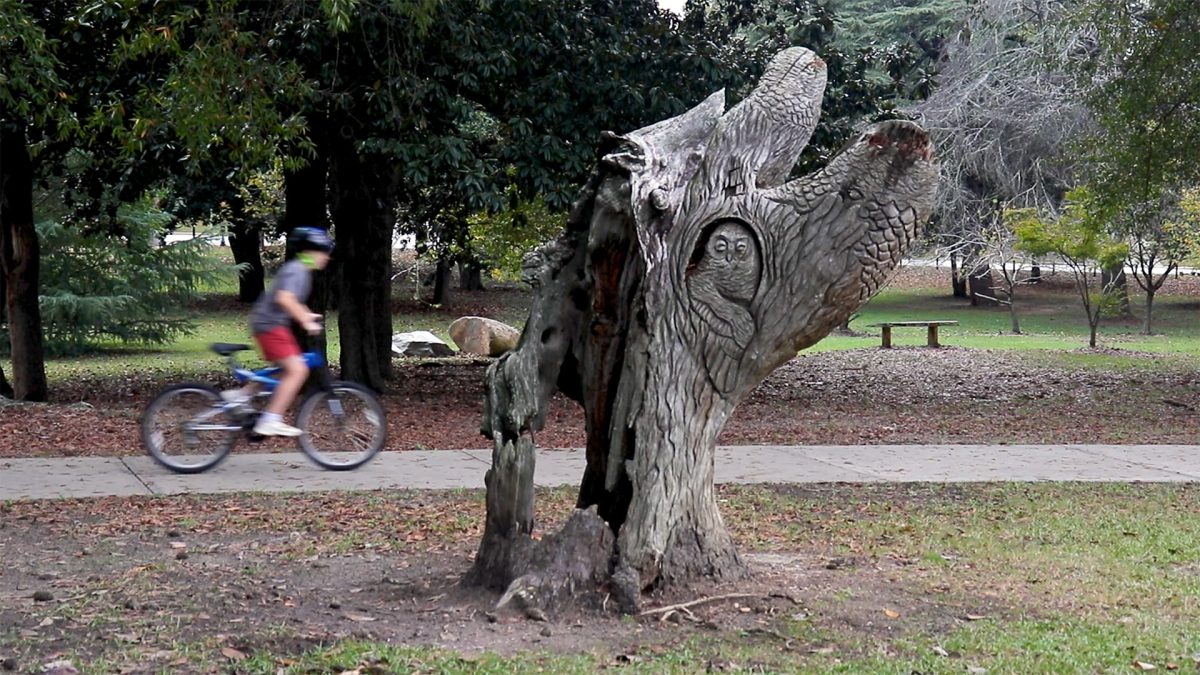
(864, 396)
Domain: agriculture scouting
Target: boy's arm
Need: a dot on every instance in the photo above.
(298, 311)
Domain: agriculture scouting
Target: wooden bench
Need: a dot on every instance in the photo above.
(931, 325)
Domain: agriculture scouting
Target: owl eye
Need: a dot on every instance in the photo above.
(721, 245)
(740, 247)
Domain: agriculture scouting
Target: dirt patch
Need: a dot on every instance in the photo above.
(185, 583)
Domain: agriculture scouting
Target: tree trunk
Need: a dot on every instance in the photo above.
(245, 241)
(688, 271)
(1012, 312)
(981, 283)
(364, 216)
(958, 283)
(1147, 322)
(306, 203)
(470, 276)
(6, 390)
(20, 260)
(1115, 286)
(441, 282)
(3, 298)
(1035, 273)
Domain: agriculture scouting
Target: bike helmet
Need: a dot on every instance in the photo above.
(305, 238)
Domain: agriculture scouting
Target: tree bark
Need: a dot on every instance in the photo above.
(441, 282)
(980, 284)
(364, 215)
(6, 389)
(20, 261)
(470, 276)
(958, 282)
(1148, 320)
(688, 271)
(306, 203)
(245, 241)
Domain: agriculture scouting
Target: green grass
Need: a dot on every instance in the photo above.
(1049, 321)
(1056, 578)
(188, 356)
(1053, 326)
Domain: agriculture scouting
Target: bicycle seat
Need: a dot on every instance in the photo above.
(227, 348)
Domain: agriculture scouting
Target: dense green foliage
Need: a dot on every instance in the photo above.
(1146, 85)
(126, 288)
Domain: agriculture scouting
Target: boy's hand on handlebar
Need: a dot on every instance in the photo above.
(312, 324)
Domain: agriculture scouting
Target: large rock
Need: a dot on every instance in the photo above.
(485, 337)
(419, 343)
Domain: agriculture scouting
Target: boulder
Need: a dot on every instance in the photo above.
(485, 337)
(419, 343)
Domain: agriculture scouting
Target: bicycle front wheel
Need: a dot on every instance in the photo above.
(343, 427)
(186, 429)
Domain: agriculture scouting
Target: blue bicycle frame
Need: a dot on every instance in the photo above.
(266, 376)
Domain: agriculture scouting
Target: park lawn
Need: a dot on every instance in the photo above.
(901, 578)
(1053, 326)
(1050, 320)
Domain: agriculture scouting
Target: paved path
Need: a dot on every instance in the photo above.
(291, 472)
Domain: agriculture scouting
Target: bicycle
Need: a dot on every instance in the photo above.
(344, 423)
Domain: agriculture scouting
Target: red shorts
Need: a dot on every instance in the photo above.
(278, 344)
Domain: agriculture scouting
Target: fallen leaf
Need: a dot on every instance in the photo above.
(361, 618)
(891, 613)
(1142, 665)
(975, 617)
(940, 651)
(233, 654)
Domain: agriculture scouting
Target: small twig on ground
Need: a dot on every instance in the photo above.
(788, 644)
(1179, 404)
(701, 601)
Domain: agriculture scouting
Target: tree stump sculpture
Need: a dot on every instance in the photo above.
(687, 272)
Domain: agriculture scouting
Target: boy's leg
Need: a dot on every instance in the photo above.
(295, 373)
(278, 345)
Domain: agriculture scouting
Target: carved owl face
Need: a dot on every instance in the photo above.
(730, 264)
(730, 243)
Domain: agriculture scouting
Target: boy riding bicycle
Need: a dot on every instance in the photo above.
(270, 322)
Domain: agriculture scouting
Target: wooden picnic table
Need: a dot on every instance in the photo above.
(932, 327)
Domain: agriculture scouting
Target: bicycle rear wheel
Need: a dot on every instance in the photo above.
(186, 429)
(343, 427)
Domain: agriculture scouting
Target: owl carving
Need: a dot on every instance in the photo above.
(721, 282)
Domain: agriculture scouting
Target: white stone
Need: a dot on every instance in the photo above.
(419, 343)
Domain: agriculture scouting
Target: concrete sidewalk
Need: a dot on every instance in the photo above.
(442, 469)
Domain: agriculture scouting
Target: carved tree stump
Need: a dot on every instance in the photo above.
(688, 271)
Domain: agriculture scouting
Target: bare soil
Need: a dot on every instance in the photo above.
(195, 584)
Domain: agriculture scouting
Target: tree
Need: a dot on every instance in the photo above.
(30, 92)
(1081, 239)
(688, 271)
(1160, 234)
(1143, 84)
(1004, 116)
(127, 89)
(999, 251)
(910, 34)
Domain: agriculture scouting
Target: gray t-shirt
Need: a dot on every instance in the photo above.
(293, 276)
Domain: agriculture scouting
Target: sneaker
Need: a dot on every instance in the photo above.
(236, 396)
(264, 428)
